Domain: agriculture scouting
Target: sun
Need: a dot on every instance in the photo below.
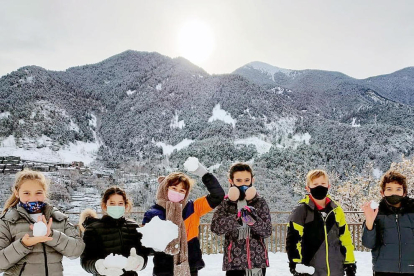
(196, 41)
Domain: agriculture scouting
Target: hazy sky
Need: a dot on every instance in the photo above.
(359, 38)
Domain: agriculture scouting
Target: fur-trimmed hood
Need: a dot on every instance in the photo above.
(86, 217)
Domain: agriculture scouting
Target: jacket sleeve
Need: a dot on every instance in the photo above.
(295, 233)
(369, 237)
(224, 222)
(216, 192)
(345, 237)
(68, 242)
(263, 225)
(10, 251)
(91, 253)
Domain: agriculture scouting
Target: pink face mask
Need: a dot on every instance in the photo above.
(175, 196)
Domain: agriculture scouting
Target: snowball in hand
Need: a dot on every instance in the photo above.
(158, 233)
(374, 205)
(115, 261)
(305, 269)
(191, 164)
(39, 229)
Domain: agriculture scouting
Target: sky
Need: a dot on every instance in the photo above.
(358, 38)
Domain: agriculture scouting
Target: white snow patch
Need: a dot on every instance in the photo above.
(73, 126)
(21, 122)
(159, 87)
(130, 92)
(164, 230)
(29, 79)
(277, 90)
(168, 149)
(214, 167)
(93, 121)
(261, 146)
(4, 115)
(222, 115)
(107, 82)
(377, 173)
(302, 138)
(79, 151)
(354, 124)
(175, 123)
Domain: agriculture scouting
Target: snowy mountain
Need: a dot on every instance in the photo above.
(151, 109)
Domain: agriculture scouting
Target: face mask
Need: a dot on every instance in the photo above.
(32, 206)
(115, 211)
(319, 192)
(394, 199)
(175, 196)
(242, 190)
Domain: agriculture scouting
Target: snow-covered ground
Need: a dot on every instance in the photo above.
(278, 265)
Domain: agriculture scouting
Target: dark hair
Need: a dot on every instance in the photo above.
(175, 178)
(239, 167)
(391, 176)
(117, 191)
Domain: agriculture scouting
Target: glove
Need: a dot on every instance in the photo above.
(134, 262)
(303, 270)
(350, 269)
(103, 270)
(248, 215)
(193, 166)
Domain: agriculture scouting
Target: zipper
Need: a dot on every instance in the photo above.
(45, 255)
(229, 251)
(326, 242)
(120, 235)
(399, 242)
(21, 271)
(249, 262)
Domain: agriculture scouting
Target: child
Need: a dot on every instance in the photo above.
(244, 218)
(20, 252)
(112, 233)
(318, 235)
(172, 204)
(389, 229)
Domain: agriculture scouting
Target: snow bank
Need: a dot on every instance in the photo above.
(261, 146)
(222, 115)
(168, 149)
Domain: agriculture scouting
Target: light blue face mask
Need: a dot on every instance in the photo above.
(115, 211)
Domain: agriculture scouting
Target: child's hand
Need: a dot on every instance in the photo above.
(134, 262)
(193, 166)
(30, 241)
(48, 225)
(370, 215)
(248, 215)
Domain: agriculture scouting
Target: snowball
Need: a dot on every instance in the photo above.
(115, 261)
(305, 269)
(191, 164)
(374, 204)
(158, 233)
(39, 229)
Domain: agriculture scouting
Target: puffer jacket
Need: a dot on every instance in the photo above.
(392, 238)
(108, 235)
(42, 258)
(319, 239)
(241, 254)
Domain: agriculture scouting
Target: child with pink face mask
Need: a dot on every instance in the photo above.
(183, 255)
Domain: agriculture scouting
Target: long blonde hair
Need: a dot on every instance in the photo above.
(22, 176)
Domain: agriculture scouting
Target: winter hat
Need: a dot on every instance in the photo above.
(173, 211)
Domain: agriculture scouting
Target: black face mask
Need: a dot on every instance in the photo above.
(394, 199)
(319, 192)
(242, 190)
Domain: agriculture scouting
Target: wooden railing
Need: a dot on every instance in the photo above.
(213, 244)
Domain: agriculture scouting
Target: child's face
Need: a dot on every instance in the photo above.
(114, 200)
(320, 181)
(393, 188)
(243, 178)
(180, 188)
(31, 190)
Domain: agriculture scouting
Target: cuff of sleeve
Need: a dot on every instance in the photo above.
(55, 235)
(366, 228)
(21, 247)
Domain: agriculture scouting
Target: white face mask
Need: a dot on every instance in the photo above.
(175, 196)
(115, 211)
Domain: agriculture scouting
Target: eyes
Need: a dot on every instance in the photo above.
(390, 189)
(37, 193)
(113, 203)
(242, 180)
(176, 189)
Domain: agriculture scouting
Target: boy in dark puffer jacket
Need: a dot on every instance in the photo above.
(388, 230)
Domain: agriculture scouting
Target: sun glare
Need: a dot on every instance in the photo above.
(195, 41)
